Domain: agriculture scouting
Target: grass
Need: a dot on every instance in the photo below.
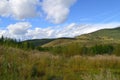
(101, 76)
(16, 64)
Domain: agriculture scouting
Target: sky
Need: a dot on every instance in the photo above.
(36, 19)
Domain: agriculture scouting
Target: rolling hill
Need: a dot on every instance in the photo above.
(39, 42)
(103, 36)
(49, 42)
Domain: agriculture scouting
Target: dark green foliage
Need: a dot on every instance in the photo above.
(8, 41)
(42, 49)
(26, 45)
(14, 43)
(102, 49)
(76, 49)
(39, 42)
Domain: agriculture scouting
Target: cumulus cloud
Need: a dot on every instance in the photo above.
(40, 33)
(24, 31)
(19, 9)
(58, 10)
(23, 8)
(4, 8)
(19, 28)
(54, 11)
(2, 32)
(17, 31)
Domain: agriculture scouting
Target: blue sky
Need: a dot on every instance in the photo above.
(95, 11)
(56, 15)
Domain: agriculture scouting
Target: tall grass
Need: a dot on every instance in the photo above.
(16, 64)
(101, 76)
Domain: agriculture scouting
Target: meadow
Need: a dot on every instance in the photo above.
(18, 64)
(22, 60)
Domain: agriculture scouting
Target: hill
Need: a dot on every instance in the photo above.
(103, 36)
(50, 42)
(59, 42)
(71, 62)
(39, 42)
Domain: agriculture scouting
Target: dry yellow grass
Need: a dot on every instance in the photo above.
(18, 64)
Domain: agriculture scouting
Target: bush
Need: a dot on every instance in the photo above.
(102, 49)
(75, 49)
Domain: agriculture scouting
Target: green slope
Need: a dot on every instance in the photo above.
(103, 36)
(59, 42)
(104, 33)
(48, 42)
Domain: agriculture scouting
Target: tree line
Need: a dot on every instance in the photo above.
(9, 42)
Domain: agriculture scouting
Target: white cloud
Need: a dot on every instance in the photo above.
(58, 10)
(2, 32)
(4, 8)
(19, 9)
(23, 8)
(40, 33)
(19, 28)
(24, 31)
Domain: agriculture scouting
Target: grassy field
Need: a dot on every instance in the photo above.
(17, 64)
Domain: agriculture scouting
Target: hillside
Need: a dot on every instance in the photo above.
(39, 42)
(72, 62)
(59, 42)
(50, 42)
(104, 36)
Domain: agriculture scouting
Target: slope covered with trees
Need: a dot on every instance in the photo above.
(8, 42)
